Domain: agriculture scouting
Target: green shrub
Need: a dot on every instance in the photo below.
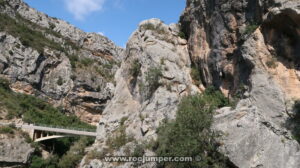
(52, 26)
(94, 154)
(190, 133)
(118, 139)
(297, 107)
(148, 26)
(73, 60)
(295, 121)
(39, 162)
(182, 35)
(86, 62)
(6, 130)
(26, 136)
(272, 63)
(153, 76)
(4, 83)
(109, 65)
(106, 73)
(60, 81)
(73, 157)
(195, 74)
(135, 68)
(162, 61)
(161, 30)
(250, 29)
(3, 2)
(73, 77)
(123, 120)
(138, 152)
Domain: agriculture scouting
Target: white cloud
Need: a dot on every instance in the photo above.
(82, 8)
(101, 33)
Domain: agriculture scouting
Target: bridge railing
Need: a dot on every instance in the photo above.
(67, 128)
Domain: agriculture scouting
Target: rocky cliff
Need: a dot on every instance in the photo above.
(248, 49)
(52, 59)
(153, 77)
(15, 149)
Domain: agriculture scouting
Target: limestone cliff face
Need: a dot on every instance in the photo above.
(52, 59)
(251, 46)
(154, 76)
(217, 31)
(15, 151)
(249, 49)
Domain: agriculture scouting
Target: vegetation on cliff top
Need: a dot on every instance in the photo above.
(31, 34)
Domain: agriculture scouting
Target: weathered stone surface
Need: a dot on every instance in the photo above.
(95, 41)
(247, 47)
(14, 150)
(51, 74)
(254, 45)
(153, 45)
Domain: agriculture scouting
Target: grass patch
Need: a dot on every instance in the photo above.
(190, 133)
(6, 130)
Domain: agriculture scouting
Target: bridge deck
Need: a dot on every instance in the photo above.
(58, 130)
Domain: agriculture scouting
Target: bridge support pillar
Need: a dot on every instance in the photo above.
(37, 135)
(101, 130)
(29, 131)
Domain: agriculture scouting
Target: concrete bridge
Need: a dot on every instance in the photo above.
(42, 133)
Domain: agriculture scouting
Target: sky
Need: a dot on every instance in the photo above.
(115, 19)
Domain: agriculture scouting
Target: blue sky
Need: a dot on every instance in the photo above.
(116, 19)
